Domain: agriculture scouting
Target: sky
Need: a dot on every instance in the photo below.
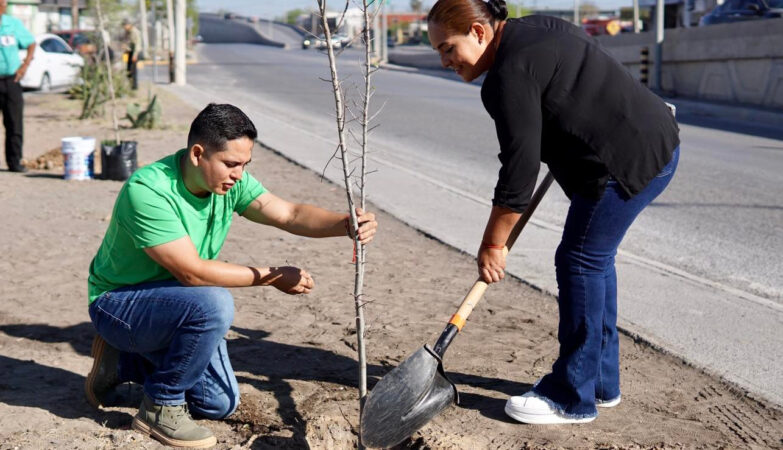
(277, 8)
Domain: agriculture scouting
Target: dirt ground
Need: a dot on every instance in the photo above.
(294, 356)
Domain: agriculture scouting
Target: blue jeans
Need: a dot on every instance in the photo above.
(588, 367)
(171, 340)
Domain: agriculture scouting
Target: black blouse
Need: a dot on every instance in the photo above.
(557, 97)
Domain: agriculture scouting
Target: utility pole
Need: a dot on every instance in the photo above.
(170, 24)
(576, 12)
(156, 42)
(384, 32)
(636, 16)
(75, 14)
(145, 43)
(181, 47)
(376, 42)
(658, 45)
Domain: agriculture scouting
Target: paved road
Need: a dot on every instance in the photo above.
(701, 271)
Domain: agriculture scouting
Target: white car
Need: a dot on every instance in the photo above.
(54, 64)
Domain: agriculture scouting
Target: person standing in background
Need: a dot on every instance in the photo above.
(13, 37)
(131, 44)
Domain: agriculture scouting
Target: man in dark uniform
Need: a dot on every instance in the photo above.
(132, 48)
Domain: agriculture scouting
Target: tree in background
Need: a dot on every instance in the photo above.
(292, 15)
(417, 6)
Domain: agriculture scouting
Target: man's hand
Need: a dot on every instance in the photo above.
(291, 280)
(20, 72)
(491, 264)
(367, 226)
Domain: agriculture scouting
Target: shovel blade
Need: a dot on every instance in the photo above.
(406, 399)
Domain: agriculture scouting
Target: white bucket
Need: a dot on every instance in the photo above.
(78, 155)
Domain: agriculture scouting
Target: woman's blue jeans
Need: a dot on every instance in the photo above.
(171, 340)
(588, 367)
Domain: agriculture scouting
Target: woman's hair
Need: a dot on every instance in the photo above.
(458, 15)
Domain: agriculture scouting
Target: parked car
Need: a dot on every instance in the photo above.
(598, 27)
(743, 10)
(77, 39)
(54, 64)
(86, 43)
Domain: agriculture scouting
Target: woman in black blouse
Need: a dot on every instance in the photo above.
(557, 97)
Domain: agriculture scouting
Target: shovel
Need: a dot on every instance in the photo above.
(417, 390)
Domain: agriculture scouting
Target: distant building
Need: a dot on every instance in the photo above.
(41, 16)
(56, 15)
(26, 11)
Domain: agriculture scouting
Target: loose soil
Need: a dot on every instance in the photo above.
(294, 356)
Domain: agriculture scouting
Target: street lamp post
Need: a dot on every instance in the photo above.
(181, 47)
(576, 12)
(658, 44)
(636, 16)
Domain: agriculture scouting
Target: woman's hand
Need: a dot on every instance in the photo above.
(291, 280)
(491, 264)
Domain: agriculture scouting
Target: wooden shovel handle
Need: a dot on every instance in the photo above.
(476, 293)
(479, 287)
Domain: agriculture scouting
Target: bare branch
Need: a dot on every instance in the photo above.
(326, 166)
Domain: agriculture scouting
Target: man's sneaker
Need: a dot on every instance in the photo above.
(608, 403)
(534, 409)
(103, 376)
(171, 425)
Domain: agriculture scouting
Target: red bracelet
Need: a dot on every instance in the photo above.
(495, 247)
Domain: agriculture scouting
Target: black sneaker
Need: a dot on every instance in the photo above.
(18, 169)
(103, 376)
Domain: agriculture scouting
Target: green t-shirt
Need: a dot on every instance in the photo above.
(13, 36)
(154, 207)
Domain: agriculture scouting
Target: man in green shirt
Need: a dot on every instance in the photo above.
(157, 293)
(13, 37)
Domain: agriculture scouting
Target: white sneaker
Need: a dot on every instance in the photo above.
(608, 403)
(534, 409)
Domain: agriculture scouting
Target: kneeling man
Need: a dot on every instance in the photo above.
(157, 294)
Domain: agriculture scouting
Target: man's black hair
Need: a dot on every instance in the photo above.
(219, 123)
